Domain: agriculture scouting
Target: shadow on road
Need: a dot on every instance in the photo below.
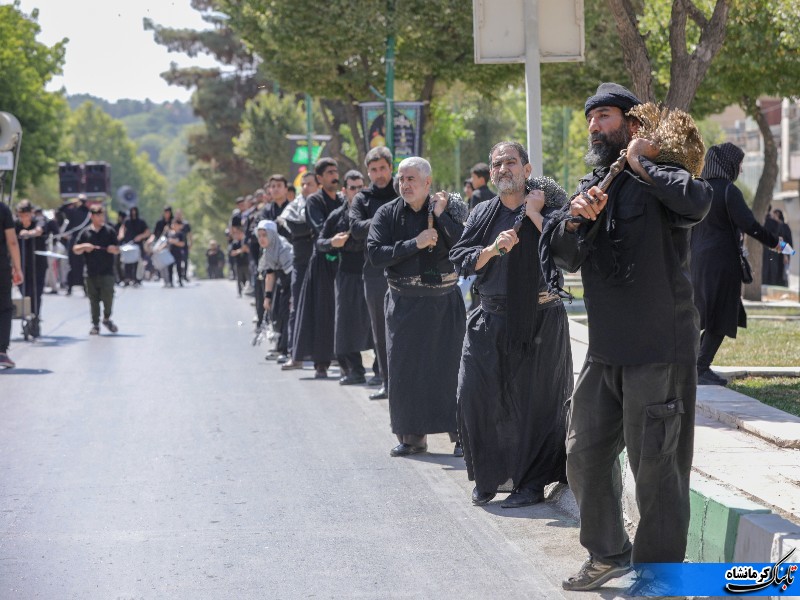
(17, 371)
(58, 340)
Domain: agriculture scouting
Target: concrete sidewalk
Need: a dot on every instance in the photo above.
(746, 474)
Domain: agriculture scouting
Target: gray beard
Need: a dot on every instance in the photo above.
(509, 186)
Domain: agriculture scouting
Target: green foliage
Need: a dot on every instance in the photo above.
(26, 66)
(782, 393)
(95, 136)
(266, 122)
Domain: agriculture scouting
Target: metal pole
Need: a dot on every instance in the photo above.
(533, 86)
(17, 153)
(567, 117)
(390, 79)
(310, 133)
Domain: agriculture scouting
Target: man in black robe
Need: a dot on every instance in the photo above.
(516, 366)
(380, 191)
(30, 232)
(425, 317)
(316, 310)
(293, 218)
(76, 215)
(352, 332)
(638, 385)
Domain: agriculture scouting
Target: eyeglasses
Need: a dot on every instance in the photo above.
(97, 212)
(355, 188)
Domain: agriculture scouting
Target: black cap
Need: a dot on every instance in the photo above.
(612, 94)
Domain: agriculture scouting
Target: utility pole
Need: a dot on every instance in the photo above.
(390, 41)
(310, 133)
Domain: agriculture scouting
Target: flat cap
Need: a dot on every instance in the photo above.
(612, 94)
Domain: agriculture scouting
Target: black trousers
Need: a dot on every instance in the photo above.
(351, 363)
(6, 307)
(709, 345)
(374, 292)
(648, 409)
(298, 274)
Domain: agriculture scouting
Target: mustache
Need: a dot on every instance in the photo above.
(335, 181)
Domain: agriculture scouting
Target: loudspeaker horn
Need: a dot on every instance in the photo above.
(127, 196)
(10, 131)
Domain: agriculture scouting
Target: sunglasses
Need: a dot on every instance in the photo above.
(355, 188)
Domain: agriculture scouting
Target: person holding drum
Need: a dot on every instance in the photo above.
(133, 233)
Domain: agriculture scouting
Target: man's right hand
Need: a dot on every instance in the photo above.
(588, 204)
(427, 239)
(506, 240)
(16, 276)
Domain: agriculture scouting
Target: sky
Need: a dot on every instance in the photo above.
(109, 54)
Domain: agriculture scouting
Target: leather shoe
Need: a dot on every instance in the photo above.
(291, 365)
(480, 498)
(379, 395)
(407, 450)
(458, 450)
(282, 359)
(375, 380)
(523, 497)
(352, 379)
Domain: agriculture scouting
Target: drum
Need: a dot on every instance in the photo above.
(162, 257)
(129, 253)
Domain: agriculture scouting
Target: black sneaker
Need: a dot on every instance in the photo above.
(109, 324)
(6, 362)
(708, 377)
(593, 574)
(95, 330)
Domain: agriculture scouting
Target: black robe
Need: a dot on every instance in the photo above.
(424, 321)
(716, 274)
(352, 331)
(316, 316)
(511, 402)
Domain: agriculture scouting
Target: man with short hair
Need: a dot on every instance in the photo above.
(363, 208)
(425, 316)
(516, 364)
(479, 176)
(278, 187)
(10, 274)
(293, 219)
(316, 314)
(352, 332)
(638, 385)
(98, 243)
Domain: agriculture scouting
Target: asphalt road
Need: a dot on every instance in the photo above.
(172, 461)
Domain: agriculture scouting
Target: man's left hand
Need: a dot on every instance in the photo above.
(440, 199)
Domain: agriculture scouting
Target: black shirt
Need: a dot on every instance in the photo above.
(482, 194)
(351, 255)
(392, 246)
(29, 246)
(363, 208)
(100, 261)
(319, 206)
(134, 227)
(6, 222)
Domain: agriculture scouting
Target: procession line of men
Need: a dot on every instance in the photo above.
(500, 381)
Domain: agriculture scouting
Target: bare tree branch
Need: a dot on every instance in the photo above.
(695, 14)
(637, 60)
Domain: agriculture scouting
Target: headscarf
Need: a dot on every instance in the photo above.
(278, 255)
(723, 162)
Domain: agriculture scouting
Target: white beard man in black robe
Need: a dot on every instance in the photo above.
(424, 311)
(516, 366)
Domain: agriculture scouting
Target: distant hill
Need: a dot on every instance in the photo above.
(160, 129)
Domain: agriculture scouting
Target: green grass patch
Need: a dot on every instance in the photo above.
(782, 393)
(762, 344)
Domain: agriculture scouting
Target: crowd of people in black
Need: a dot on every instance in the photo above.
(355, 263)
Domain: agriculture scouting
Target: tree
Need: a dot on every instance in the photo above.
(95, 136)
(763, 32)
(303, 47)
(27, 66)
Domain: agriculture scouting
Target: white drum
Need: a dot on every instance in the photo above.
(130, 253)
(162, 257)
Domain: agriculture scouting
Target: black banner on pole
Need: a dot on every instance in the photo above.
(407, 127)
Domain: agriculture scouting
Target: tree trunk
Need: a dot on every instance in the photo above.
(634, 51)
(763, 197)
(688, 70)
(426, 95)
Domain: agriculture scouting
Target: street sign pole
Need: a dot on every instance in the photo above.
(533, 86)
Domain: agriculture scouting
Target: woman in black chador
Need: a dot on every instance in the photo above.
(716, 273)
(516, 365)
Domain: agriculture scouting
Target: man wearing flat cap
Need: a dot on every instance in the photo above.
(637, 388)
